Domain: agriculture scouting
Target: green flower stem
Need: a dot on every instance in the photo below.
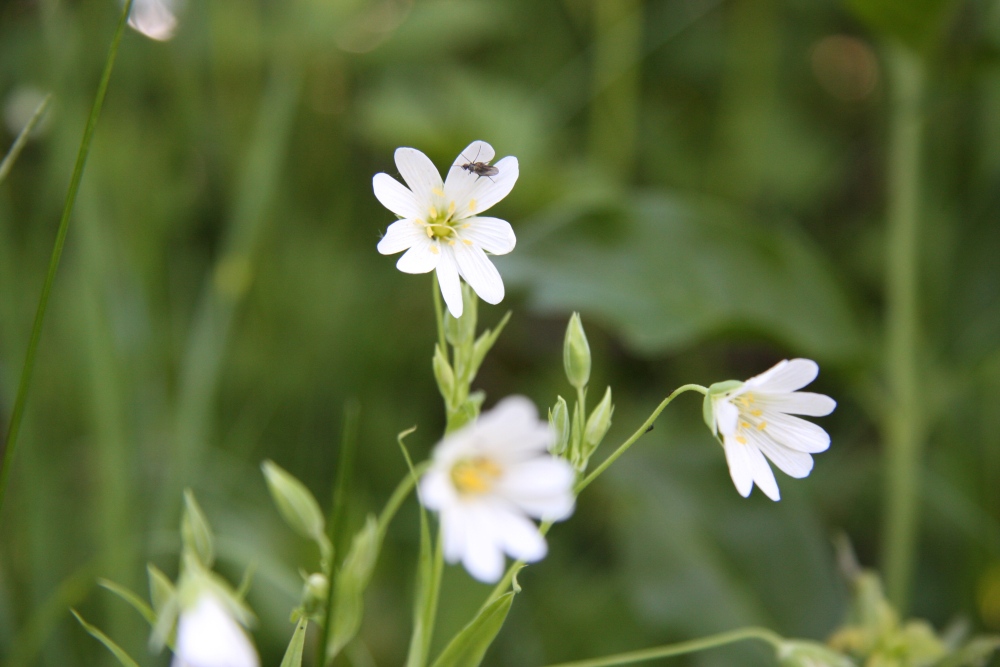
(682, 648)
(10, 445)
(504, 583)
(606, 463)
(439, 313)
(903, 425)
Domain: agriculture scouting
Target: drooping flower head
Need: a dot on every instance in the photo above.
(440, 225)
(487, 478)
(755, 419)
(209, 636)
(155, 19)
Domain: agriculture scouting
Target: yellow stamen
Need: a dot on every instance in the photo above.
(756, 413)
(451, 209)
(435, 249)
(744, 425)
(434, 213)
(740, 439)
(761, 426)
(475, 475)
(466, 241)
(438, 191)
(430, 231)
(472, 204)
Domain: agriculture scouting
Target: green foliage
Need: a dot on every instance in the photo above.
(121, 656)
(468, 647)
(917, 23)
(296, 646)
(351, 582)
(298, 507)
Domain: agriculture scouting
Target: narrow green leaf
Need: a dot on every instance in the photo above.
(425, 604)
(351, 582)
(469, 646)
(115, 649)
(15, 149)
(293, 655)
(196, 531)
(483, 345)
(131, 598)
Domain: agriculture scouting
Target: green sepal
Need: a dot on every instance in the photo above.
(974, 653)
(116, 650)
(296, 646)
(461, 331)
(708, 405)
(576, 353)
(469, 646)
(599, 422)
(799, 653)
(467, 412)
(161, 589)
(298, 507)
(559, 421)
(484, 344)
(196, 533)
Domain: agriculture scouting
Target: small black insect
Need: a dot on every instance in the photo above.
(480, 168)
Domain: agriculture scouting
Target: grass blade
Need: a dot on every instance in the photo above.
(15, 149)
(115, 649)
(10, 444)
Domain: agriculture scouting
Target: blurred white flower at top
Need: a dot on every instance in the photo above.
(155, 19)
(440, 226)
(209, 636)
(755, 420)
(487, 478)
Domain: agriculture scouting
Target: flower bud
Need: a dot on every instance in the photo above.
(599, 421)
(296, 504)
(559, 421)
(196, 534)
(576, 353)
(444, 375)
(314, 594)
(795, 653)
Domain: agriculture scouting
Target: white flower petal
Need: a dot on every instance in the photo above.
(727, 416)
(491, 234)
(541, 487)
(459, 182)
(519, 536)
(482, 556)
(454, 526)
(420, 174)
(396, 197)
(763, 476)
(420, 258)
(798, 403)
(484, 191)
(739, 467)
(479, 272)
(477, 151)
(796, 433)
(791, 462)
(401, 235)
(208, 636)
(153, 18)
(436, 491)
(785, 376)
(447, 274)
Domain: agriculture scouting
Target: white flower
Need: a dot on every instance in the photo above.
(440, 226)
(153, 18)
(487, 478)
(755, 421)
(209, 636)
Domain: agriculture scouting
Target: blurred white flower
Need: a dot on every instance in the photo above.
(440, 226)
(755, 421)
(155, 19)
(209, 636)
(487, 478)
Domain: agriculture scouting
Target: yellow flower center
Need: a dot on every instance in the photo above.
(475, 476)
(439, 225)
(749, 417)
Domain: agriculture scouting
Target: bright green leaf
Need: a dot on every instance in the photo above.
(115, 649)
(469, 646)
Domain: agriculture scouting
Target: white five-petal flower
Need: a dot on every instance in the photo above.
(155, 19)
(487, 478)
(755, 420)
(209, 636)
(440, 227)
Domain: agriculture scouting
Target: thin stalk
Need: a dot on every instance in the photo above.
(682, 648)
(10, 444)
(642, 430)
(439, 314)
(338, 511)
(15, 149)
(504, 583)
(903, 424)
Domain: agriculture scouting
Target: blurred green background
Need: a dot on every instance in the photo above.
(705, 180)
